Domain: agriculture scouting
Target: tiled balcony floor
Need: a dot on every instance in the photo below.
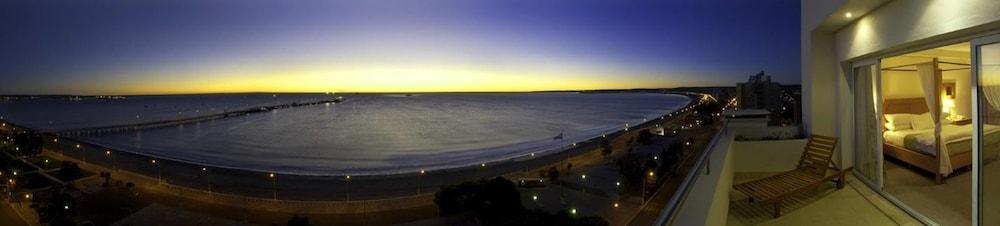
(853, 205)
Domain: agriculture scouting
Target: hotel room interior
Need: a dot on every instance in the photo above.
(926, 127)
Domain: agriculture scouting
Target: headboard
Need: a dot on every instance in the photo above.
(905, 105)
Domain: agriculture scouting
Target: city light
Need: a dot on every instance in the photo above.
(572, 211)
(77, 146)
(534, 197)
(583, 176)
(348, 177)
(618, 184)
(271, 175)
(651, 174)
(55, 140)
(153, 161)
(422, 172)
(27, 196)
(204, 169)
(616, 205)
(107, 152)
(482, 165)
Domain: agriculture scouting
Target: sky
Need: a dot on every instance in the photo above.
(169, 47)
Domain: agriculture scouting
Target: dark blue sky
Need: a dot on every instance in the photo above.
(123, 47)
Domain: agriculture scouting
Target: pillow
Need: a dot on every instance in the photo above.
(923, 121)
(896, 126)
(901, 118)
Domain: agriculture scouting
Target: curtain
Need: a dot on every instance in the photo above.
(930, 81)
(989, 78)
(866, 122)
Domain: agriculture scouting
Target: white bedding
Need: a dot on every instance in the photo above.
(925, 138)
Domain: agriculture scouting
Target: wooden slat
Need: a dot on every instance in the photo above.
(812, 170)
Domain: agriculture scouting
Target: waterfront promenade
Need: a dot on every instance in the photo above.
(261, 191)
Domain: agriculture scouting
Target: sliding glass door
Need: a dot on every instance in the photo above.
(986, 119)
(867, 152)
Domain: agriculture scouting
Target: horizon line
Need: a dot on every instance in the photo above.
(369, 92)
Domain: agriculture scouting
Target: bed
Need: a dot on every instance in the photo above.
(916, 146)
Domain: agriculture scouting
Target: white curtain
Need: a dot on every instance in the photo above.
(866, 122)
(930, 80)
(989, 78)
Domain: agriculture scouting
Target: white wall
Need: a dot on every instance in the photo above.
(708, 201)
(963, 87)
(767, 156)
(892, 27)
(897, 23)
(813, 14)
(901, 84)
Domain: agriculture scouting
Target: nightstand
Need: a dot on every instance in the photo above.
(962, 122)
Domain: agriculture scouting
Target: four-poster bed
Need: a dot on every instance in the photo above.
(919, 136)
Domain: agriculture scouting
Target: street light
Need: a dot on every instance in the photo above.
(159, 172)
(208, 179)
(348, 179)
(274, 185)
(421, 175)
(114, 166)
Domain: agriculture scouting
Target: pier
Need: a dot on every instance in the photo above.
(173, 122)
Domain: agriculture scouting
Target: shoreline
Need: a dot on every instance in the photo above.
(327, 188)
(517, 154)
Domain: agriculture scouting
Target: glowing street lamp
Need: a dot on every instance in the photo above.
(114, 165)
(422, 172)
(208, 179)
(348, 179)
(274, 185)
(159, 172)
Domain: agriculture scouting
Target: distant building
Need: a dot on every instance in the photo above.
(760, 93)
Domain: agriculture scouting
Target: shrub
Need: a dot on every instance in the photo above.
(645, 137)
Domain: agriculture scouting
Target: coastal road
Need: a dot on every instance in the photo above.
(9, 217)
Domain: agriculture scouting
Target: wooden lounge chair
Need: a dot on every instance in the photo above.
(808, 175)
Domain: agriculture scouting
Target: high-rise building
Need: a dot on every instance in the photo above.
(759, 92)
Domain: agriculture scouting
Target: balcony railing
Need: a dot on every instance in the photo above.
(702, 164)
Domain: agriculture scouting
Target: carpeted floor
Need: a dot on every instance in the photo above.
(945, 204)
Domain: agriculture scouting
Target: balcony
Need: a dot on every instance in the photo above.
(707, 197)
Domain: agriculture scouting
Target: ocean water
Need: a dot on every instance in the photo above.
(50, 114)
(376, 134)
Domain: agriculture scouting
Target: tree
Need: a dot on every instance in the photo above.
(553, 174)
(498, 202)
(492, 201)
(55, 208)
(69, 170)
(29, 144)
(645, 137)
(606, 148)
(298, 221)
